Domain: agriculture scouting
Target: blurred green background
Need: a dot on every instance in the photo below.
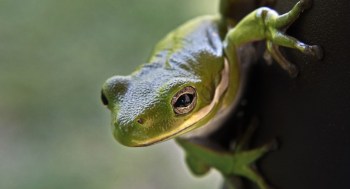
(54, 57)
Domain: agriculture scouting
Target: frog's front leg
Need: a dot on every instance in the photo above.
(267, 24)
(201, 158)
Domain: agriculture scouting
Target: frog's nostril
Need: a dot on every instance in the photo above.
(104, 99)
(140, 121)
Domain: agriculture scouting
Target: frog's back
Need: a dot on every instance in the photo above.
(191, 46)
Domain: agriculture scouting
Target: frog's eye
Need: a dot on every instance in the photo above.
(184, 101)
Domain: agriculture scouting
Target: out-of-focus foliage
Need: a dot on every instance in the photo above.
(54, 57)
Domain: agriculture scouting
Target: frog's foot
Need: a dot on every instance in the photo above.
(243, 164)
(200, 158)
(244, 159)
(276, 25)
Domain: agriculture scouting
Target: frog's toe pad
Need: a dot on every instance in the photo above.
(306, 4)
(293, 71)
(273, 145)
(316, 51)
(319, 52)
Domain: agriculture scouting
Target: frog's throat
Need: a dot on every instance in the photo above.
(190, 123)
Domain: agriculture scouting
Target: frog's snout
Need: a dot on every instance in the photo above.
(131, 133)
(114, 88)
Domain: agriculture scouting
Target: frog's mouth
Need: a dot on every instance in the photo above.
(190, 123)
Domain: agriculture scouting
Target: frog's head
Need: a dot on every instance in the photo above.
(152, 107)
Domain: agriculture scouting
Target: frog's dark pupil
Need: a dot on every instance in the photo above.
(184, 100)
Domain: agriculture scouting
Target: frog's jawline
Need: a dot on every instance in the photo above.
(187, 125)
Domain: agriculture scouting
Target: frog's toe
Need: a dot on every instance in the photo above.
(292, 70)
(269, 2)
(315, 50)
(306, 4)
(273, 145)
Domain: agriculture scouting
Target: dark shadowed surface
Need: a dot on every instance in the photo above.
(308, 114)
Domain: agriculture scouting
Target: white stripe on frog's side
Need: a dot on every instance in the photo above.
(246, 59)
(220, 116)
(219, 92)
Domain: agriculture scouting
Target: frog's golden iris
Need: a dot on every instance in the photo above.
(184, 101)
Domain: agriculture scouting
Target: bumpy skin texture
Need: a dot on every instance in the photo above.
(204, 55)
(191, 55)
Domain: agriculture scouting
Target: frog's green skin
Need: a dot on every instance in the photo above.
(202, 54)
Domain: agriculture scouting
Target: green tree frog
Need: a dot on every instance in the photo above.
(192, 82)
